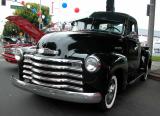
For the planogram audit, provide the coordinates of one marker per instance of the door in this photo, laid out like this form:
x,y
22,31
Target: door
x,y
133,51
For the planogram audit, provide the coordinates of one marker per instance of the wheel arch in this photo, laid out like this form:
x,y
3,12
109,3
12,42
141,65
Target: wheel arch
x,y
120,70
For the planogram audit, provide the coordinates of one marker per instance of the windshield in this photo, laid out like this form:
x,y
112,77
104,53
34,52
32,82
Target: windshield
x,y
98,25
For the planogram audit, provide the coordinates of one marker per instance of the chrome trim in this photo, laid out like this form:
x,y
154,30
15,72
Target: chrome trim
x,y
26,66
57,80
57,67
59,86
98,61
79,76
28,55
44,58
27,61
27,72
47,51
78,97
27,77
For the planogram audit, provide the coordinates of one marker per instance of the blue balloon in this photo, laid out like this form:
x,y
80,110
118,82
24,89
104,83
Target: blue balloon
x,y
34,10
64,5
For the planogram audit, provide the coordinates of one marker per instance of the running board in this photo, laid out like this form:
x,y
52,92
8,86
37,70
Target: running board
x,y
133,81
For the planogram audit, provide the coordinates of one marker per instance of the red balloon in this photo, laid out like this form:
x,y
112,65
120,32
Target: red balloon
x,y
76,10
39,13
23,3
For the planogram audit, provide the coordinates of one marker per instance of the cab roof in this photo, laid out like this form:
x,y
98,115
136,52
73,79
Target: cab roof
x,y
112,16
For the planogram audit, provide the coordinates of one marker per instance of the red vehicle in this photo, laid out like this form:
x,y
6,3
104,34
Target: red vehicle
x,y
25,25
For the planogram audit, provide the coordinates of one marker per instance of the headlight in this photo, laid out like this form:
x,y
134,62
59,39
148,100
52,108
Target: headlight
x,y
92,64
18,54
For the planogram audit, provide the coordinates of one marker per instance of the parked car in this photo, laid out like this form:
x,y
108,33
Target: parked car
x,y
9,51
102,56
11,44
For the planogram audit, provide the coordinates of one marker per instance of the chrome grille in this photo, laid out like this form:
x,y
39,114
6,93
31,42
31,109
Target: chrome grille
x,y
8,50
46,71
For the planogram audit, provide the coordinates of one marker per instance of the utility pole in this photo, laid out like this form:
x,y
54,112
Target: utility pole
x,y
3,2
151,24
110,5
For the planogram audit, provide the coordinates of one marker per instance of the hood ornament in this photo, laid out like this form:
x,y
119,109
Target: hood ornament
x,y
47,51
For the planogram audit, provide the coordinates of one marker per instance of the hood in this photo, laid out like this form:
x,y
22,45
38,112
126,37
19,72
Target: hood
x,y
26,26
79,42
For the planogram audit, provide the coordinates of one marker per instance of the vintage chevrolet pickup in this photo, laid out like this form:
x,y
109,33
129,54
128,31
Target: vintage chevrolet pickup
x,y
88,65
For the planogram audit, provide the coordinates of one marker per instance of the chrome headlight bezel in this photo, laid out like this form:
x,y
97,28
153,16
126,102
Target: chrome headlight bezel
x,y
18,54
92,64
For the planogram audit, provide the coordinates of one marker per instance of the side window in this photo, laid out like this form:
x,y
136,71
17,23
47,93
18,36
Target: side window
x,y
133,28
88,26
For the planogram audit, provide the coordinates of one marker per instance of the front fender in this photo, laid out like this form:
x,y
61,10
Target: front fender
x,y
116,64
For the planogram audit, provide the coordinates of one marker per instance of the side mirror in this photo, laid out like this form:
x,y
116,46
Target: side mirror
x,y
73,23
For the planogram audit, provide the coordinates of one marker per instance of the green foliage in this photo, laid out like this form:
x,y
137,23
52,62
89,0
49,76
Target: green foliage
x,y
156,58
32,16
10,29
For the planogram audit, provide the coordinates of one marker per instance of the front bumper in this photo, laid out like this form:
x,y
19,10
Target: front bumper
x,y
77,97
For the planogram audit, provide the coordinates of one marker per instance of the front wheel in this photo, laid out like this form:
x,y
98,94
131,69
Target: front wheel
x,y
109,96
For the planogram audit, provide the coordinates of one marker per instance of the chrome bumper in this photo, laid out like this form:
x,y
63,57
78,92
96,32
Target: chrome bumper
x,y
77,97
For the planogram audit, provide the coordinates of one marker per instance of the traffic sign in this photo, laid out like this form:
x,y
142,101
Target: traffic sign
x,y
17,7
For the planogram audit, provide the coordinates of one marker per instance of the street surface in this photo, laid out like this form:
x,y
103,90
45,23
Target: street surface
x,y
140,99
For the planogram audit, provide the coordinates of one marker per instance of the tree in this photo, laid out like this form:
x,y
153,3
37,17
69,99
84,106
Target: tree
x,y
10,29
31,14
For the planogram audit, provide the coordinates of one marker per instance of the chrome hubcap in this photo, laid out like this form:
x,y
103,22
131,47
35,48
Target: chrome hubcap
x,y
146,74
111,93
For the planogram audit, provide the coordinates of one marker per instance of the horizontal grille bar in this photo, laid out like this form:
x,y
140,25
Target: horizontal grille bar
x,y
27,77
57,67
26,66
44,58
78,76
61,80
27,72
27,61
28,56
58,86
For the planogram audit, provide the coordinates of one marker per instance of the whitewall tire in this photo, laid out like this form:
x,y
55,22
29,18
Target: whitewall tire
x,y
110,95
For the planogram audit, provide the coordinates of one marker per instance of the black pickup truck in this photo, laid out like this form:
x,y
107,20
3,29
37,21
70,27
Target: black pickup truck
x,y
90,64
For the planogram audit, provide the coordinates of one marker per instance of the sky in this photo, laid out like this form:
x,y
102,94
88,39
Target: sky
x,y
136,8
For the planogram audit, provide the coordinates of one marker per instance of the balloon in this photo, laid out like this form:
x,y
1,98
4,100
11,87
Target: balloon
x,y
64,5
34,10
76,10
39,13
43,16
23,3
28,6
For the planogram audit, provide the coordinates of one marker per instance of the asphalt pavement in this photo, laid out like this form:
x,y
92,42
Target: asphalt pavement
x,y
140,99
